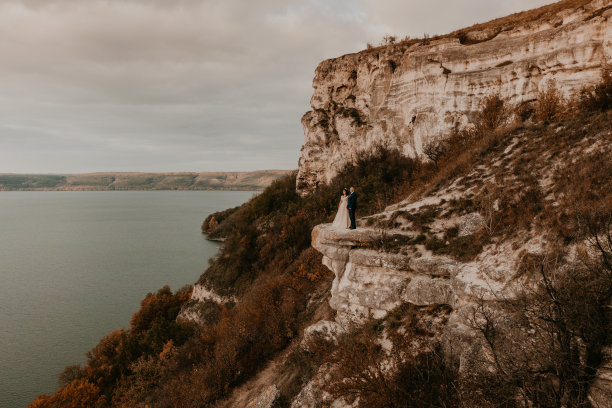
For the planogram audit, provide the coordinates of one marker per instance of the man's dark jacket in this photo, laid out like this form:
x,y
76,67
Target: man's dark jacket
x,y
351,203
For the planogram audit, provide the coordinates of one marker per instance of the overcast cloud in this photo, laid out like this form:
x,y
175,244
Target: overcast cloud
x,y
184,85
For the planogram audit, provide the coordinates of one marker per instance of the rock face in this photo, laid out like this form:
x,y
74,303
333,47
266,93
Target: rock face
x,y
202,300
202,293
370,283
405,94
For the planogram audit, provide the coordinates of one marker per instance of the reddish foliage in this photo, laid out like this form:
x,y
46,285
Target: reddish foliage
x,y
78,394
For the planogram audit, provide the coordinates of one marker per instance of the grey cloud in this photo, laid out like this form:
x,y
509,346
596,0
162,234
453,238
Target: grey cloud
x,y
130,85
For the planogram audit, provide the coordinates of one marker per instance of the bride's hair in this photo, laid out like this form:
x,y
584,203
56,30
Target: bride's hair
x,y
345,191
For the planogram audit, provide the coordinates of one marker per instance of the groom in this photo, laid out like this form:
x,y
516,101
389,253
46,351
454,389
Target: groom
x,y
351,205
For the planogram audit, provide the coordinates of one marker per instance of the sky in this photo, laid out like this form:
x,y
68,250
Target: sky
x,y
184,85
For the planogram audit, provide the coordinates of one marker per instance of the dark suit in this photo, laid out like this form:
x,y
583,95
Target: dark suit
x,y
351,204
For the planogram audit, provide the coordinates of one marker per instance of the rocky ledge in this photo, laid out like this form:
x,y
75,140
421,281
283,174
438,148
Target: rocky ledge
x,y
369,283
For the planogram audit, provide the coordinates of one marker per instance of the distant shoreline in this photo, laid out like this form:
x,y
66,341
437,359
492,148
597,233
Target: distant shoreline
x,y
131,189
141,181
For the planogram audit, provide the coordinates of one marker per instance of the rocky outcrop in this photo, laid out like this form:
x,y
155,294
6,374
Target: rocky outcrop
x,y
270,398
312,395
369,283
202,293
405,94
203,300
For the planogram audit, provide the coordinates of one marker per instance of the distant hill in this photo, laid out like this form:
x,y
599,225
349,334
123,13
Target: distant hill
x,y
252,180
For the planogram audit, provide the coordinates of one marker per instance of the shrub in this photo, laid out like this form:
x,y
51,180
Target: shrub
x,y
310,266
599,97
78,394
388,39
245,337
550,105
210,225
163,305
492,114
585,196
435,149
435,244
467,247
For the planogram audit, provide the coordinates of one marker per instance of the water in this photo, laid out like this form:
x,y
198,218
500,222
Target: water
x,y
75,266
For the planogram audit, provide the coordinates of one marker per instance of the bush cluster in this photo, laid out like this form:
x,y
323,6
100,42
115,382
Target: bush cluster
x,y
152,328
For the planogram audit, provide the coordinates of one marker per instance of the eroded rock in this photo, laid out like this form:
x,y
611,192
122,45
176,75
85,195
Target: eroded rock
x,y
406,95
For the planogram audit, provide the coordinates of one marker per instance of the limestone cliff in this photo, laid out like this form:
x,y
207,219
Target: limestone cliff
x,y
428,250
405,94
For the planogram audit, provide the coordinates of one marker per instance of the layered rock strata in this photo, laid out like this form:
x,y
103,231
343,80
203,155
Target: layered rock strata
x,y
370,283
406,94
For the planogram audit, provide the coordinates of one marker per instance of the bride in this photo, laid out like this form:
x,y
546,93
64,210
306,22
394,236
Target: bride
x,y
342,216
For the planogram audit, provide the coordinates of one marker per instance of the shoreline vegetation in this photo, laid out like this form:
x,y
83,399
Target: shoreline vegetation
x,y
111,181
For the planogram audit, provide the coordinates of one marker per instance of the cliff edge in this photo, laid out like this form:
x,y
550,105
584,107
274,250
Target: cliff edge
x,y
406,94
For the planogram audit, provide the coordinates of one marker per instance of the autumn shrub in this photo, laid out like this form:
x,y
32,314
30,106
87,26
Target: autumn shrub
x,y
225,354
148,372
211,224
598,97
494,112
163,305
112,359
403,373
466,248
69,374
465,147
310,266
79,393
585,196
550,104
304,360
507,209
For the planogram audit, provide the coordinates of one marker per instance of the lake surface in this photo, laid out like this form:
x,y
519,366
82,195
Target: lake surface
x,y
75,265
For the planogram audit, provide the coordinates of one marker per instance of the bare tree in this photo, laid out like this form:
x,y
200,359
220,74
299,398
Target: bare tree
x,y
435,149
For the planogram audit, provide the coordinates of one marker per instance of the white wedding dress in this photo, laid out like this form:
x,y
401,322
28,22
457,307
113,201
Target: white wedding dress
x,y
342,220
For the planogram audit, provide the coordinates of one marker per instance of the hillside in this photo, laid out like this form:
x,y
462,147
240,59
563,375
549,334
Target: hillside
x,y
253,180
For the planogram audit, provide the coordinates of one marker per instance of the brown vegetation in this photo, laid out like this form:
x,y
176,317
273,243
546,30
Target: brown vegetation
x,y
410,372
546,345
551,105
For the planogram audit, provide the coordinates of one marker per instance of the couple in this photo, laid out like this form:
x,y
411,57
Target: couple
x,y
345,217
